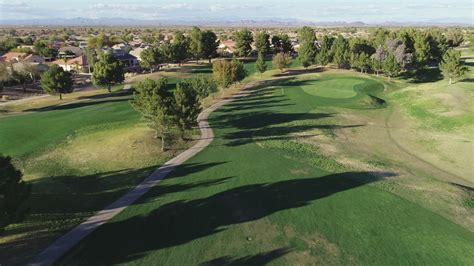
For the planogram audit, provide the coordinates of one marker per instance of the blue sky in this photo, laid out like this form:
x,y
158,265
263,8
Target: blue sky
x,y
369,11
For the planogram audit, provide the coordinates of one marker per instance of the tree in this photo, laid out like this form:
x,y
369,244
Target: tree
x,y
378,58
282,44
186,106
422,49
364,62
204,86
261,64
222,73
180,47
451,65
226,72
150,58
195,43
13,191
340,52
398,48
454,37
243,42
307,50
390,66
209,45
238,70
379,36
262,43
42,47
108,71
282,61
155,102
5,75
91,56
324,55
21,76
56,81
167,52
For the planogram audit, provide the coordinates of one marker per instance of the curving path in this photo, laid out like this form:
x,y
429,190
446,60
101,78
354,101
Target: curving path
x,y
63,244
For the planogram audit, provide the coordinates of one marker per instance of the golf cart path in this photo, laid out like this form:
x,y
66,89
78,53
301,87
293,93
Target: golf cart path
x,y
67,241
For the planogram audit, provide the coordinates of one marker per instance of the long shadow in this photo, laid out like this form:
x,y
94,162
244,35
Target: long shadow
x,y
467,80
259,259
423,75
58,203
296,72
183,221
74,105
108,95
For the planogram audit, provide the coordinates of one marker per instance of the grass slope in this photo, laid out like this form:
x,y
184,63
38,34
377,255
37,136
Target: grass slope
x,y
257,196
78,157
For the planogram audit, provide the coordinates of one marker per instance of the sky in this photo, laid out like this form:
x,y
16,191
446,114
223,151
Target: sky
x,y
369,11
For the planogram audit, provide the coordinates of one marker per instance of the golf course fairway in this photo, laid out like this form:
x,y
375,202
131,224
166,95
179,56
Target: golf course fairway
x,y
259,194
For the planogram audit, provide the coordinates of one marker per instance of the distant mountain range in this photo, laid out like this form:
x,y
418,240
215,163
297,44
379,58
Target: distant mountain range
x,y
209,23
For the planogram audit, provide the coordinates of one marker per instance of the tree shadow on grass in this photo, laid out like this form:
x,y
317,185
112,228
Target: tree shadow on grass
x,y
423,75
75,105
258,259
182,221
59,203
295,72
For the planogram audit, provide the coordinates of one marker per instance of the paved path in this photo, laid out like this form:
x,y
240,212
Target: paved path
x,y
63,244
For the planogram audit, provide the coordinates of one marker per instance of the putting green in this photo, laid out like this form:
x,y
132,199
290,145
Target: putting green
x,y
334,88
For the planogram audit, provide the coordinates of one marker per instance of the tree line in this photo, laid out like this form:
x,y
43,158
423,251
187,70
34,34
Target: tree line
x,y
390,52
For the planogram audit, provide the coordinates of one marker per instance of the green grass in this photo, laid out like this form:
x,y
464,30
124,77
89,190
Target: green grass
x,y
78,157
257,196
26,134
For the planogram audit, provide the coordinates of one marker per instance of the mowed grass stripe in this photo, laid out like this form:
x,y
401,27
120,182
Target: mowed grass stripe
x,y
239,202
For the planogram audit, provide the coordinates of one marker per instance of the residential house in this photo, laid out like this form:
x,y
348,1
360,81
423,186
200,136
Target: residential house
x,y
69,52
129,62
226,48
122,46
14,57
137,51
78,64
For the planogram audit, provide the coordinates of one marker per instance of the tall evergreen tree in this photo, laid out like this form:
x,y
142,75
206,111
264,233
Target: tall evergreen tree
x,y
324,55
186,106
422,49
238,70
451,65
260,64
340,52
262,43
307,50
196,43
391,67
156,104
243,42
222,73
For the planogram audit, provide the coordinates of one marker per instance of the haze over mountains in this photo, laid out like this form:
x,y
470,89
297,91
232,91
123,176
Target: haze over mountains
x,y
277,22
